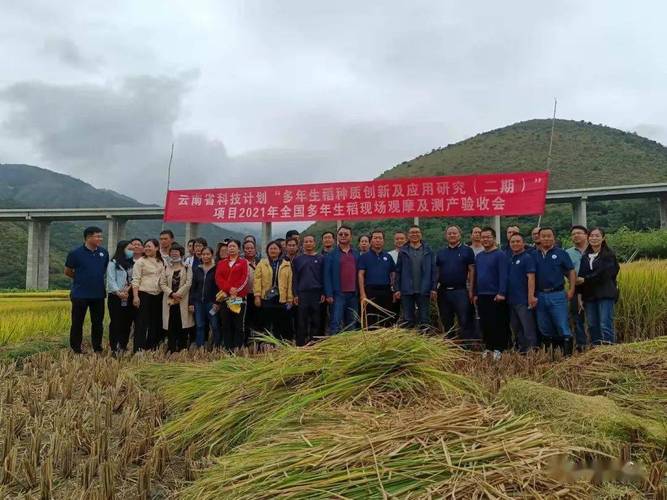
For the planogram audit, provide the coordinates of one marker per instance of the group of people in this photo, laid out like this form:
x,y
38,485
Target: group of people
x,y
305,287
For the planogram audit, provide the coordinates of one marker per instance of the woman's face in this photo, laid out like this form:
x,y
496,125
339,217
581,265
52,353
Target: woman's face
x,y
206,256
273,251
249,250
222,253
595,238
233,249
137,247
175,256
150,249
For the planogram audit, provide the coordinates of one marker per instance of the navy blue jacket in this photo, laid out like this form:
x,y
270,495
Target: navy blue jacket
x,y
307,273
403,281
332,271
203,288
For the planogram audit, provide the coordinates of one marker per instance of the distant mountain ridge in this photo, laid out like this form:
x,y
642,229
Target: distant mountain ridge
x,y
583,155
28,186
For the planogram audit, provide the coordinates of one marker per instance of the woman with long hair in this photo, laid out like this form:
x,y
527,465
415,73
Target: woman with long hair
x,y
599,291
231,277
175,283
202,299
273,291
119,279
148,297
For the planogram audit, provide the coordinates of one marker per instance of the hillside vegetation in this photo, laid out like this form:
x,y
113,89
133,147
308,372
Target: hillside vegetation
x,y
583,155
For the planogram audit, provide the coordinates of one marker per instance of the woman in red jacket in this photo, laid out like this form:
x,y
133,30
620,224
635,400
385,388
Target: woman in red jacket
x,y
231,276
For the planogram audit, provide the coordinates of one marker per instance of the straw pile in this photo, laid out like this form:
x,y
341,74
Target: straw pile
x,y
225,404
463,451
633,375
594,422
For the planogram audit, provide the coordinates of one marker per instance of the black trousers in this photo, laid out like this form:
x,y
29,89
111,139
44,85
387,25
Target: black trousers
x,y
455,304
383,297
177,336
252,314
79,308
148,332
120,322
494,322
308,316
324,319
233,327
275,319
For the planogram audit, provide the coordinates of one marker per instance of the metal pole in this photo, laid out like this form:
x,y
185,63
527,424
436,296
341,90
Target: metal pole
x,y
338,224
266,234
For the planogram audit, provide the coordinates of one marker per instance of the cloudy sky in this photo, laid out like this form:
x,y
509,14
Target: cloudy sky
x,y
265,92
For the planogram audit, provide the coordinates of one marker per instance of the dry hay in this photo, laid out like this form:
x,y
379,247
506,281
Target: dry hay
x,y
633,375
463,451
78,427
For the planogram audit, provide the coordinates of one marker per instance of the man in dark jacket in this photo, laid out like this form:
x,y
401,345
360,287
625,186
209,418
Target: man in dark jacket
x,y
416,279
308,290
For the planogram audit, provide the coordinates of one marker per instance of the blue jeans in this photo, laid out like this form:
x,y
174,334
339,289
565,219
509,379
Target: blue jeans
x,y
579,320
203,320
344,312
416,310
552,314
600,317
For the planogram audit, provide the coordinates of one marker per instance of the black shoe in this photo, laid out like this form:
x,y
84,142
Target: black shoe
x,y
568,346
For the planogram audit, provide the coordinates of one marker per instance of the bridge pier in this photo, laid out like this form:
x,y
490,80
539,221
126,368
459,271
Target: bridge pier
x,y
191,231
663,211
266,236
115,232
496,226
37,265
579,211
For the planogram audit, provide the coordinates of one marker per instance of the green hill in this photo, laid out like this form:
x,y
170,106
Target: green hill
x,y
29,186
583,155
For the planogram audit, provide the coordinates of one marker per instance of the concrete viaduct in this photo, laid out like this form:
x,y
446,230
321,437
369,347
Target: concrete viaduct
x,y
39,219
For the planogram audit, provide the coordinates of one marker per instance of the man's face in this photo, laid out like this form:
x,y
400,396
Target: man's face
x,y
510,231
95,239
488,241
547,239
309,243
165,241
344,236
516,243
400,240
191,248
579,236
292,247
415,235
453,236
535,235
327,240
476,234
377,241
137,247
198,248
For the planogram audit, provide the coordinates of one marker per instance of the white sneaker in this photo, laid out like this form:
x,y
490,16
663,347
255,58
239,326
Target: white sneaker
x,y
496,355
485,353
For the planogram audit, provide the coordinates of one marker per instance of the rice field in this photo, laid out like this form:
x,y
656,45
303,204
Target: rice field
x,y
383,414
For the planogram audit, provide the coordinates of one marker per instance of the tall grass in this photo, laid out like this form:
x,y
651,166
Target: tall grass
x,y
641,312
34,318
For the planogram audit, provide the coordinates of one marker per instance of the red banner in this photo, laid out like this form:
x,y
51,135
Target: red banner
x,y
520,193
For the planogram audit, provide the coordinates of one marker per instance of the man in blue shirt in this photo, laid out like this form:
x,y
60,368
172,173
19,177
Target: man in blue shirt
x,y
521,294
376,274
579,236
415,282
490,292
308,290
456,272
86,266
553,265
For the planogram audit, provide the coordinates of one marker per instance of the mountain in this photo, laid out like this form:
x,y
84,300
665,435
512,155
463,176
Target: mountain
x,y
583,155
29,186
